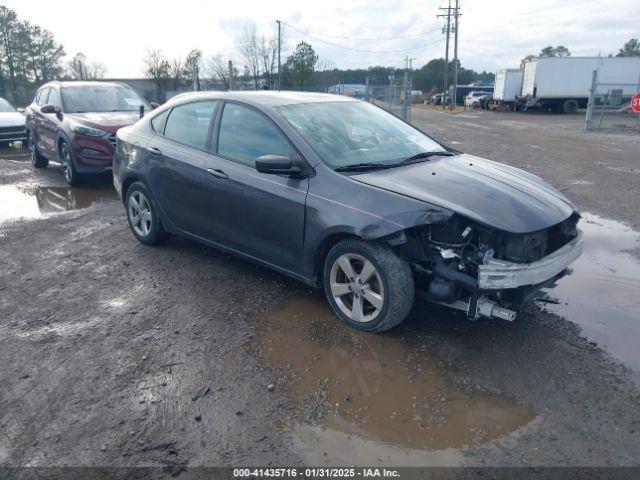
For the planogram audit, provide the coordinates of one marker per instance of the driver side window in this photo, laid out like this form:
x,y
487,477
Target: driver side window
x,y
246,134
54,98
43,96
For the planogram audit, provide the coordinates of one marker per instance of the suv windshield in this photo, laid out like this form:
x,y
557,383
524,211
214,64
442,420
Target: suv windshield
x,y
6,106
100,98
345,133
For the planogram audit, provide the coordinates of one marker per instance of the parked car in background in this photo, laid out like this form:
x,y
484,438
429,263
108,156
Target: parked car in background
x,y
484,101
12,124
473,99
75,124
342,195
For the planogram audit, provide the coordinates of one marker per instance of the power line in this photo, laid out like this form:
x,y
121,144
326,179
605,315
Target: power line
x,y
373,39
360,50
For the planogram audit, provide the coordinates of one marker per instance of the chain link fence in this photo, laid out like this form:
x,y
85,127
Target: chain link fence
x,y
609,106
395,99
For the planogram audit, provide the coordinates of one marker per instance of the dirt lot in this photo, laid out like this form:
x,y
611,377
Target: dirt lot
x,y
116,354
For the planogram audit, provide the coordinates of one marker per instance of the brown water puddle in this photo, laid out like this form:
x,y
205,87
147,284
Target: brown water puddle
x,y
35,202
603,294
385,394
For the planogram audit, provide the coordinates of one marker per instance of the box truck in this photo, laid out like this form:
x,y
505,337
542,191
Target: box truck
x,y
562,84
508,86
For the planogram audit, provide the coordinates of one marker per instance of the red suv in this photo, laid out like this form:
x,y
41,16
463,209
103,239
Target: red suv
x,y
75,124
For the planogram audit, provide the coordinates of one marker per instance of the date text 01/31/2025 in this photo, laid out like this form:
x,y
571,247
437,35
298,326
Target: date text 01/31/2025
x,y
327,472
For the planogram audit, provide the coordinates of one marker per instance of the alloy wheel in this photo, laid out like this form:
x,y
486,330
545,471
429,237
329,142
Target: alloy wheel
x,y
356,287
67,163
140,213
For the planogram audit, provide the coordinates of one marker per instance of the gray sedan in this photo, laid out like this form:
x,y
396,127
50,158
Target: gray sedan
x,y
344,196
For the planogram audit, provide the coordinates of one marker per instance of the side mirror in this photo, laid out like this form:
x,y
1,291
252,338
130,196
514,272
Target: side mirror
x,y
48,108
280,165
154,105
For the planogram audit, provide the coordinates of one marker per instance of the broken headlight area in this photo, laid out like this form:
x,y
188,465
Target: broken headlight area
x,y
485,271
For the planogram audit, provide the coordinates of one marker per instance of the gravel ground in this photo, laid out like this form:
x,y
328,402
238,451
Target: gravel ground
x,y
116,354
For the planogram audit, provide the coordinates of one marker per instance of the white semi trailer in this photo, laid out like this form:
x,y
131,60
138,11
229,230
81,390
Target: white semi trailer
x,y
562,84
507,87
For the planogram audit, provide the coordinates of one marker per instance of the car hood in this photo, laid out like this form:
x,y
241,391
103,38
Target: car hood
x,y
110,121
488,192
12,119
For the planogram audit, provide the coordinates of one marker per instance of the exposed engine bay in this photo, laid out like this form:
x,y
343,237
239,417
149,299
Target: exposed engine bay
x,y
449,260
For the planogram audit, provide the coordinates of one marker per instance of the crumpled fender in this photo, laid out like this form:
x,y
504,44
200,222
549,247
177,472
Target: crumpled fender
x,y
356,209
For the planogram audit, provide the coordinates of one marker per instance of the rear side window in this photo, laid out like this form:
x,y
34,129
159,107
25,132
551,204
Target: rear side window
x,y
157,122
246,134
189,124
43,96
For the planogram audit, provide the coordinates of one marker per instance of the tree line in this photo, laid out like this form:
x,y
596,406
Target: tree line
x,y
30,56
254,66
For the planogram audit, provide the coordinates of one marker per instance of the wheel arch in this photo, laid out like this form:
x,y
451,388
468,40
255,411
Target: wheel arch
x,y
128,181
62,138
323,248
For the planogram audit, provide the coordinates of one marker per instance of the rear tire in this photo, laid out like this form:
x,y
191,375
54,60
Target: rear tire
x,y
37,160
142,215
367,285
570,106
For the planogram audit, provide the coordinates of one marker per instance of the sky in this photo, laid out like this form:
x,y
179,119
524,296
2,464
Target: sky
x,y
493,34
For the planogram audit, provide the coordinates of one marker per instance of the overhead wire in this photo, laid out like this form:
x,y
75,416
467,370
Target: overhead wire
x,y
361,50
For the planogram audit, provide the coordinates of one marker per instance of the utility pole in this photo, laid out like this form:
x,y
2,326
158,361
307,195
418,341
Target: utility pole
x,y
279,46
195,74
405,87
446,52
455,54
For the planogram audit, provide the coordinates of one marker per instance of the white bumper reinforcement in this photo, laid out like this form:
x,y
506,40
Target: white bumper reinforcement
x,y
500,274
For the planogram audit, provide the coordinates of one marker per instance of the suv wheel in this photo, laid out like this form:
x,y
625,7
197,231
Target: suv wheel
x,y
71,175
37,160
368,286
143,216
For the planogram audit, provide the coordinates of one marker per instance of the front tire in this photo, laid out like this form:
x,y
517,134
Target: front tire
x,y
367,285
71,175
142,215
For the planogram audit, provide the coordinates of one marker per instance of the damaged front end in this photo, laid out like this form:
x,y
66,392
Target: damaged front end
x,y
484,271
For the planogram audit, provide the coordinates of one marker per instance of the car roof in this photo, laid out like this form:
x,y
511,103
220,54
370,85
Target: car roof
x,y
82,83
265,98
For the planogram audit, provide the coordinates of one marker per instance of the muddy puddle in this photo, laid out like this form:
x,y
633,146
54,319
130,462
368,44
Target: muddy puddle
x,y
386,400
603,294
28,202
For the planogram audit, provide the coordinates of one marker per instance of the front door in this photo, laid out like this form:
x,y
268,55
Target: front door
x,y
258,214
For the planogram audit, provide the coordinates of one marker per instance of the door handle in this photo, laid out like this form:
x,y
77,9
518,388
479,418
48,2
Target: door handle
x,y
217,173
155,151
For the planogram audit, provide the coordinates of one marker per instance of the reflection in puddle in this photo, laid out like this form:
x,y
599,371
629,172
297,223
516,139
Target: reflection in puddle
x,y
34,202
602,294
385,394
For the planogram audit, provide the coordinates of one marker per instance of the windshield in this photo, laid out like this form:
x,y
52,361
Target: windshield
x,y
6,106
101,98
355,132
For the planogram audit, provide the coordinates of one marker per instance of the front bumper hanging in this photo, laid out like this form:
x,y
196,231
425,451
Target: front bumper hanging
x,y
500,274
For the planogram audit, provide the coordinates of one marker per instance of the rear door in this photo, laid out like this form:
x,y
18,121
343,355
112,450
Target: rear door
x,y
258,214
176,159
38,120
50,122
